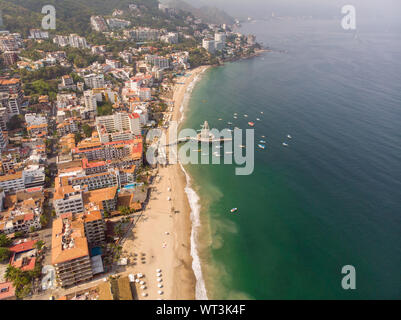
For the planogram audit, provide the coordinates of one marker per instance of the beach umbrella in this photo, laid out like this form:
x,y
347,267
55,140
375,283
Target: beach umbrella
x,y
160,285
159,275
143,287
160,292
158,270
159,280
144,294
142,282
137,280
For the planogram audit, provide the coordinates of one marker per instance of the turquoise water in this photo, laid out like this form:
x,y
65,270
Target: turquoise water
x,y
333,196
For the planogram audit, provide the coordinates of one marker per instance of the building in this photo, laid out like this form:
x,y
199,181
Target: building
x,y
7,291
170,37
98,24
94,227
159,62
209,45
34,119
67,199
10,58
115,23
13,88
125,152
20,215
38,34
70,252
72,40
68,126
37,130
24,255
142,34
94,81
118,127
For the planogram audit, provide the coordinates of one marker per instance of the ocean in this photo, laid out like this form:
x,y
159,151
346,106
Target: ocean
x,y
333,196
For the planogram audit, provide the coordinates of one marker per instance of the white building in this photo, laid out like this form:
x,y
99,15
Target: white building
x,y
209,45
94,81
159,62
119,126
98,24
171,38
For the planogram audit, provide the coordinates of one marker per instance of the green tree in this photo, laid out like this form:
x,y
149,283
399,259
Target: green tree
x,y
5,254
4,240
87,130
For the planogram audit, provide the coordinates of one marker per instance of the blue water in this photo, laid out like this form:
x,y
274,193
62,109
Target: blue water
x,y
333,197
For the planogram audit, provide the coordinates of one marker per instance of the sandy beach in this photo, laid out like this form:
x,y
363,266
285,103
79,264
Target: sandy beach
x,y
162,236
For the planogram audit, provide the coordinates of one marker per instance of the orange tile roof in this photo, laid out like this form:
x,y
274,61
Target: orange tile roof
x,y
80,248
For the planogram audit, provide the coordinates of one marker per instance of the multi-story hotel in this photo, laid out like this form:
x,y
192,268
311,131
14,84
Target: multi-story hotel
x,y
70,252
118,127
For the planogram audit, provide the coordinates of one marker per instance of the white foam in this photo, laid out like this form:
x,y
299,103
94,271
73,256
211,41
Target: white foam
x,y
193,198
187,94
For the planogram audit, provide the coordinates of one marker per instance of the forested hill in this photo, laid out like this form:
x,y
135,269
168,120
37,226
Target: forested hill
x,y
72,15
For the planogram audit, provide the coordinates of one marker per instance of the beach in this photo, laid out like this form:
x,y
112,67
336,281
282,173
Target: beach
x,y
163,234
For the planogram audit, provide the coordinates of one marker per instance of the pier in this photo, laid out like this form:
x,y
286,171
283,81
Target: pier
x,y
205,136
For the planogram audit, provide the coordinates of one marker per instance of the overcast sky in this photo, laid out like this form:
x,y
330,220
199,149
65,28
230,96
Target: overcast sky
x,y
380,9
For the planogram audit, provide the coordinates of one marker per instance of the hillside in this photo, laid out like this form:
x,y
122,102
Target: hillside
x,y
206,13
72,15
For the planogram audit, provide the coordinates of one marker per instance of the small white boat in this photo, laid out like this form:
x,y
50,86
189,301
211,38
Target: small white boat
x,y
257,119
220,119
230,123
263,137
205,154
234,210
242,146
261,112
245,115
216,154
235,117
219,147
285,144
289,137
229,152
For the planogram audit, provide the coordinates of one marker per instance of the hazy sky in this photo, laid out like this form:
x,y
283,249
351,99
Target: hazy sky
x,y
381,9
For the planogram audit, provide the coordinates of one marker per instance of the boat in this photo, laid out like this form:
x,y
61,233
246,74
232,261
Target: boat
x,y
196,150
289,137
235,117
219,147
234,210
216,154
261,146
262,141
205,154
242,146
261,112
257,119
251,123
229,152
263,136
245,115
220,119
285,144
230,123
235,113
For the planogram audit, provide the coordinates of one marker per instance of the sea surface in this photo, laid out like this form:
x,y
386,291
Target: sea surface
x,y
333,196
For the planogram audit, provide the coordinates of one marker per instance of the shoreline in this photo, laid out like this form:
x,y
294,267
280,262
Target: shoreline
x,y
166,233
181,99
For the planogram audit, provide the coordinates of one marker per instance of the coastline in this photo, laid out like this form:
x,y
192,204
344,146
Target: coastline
x,y
166,234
